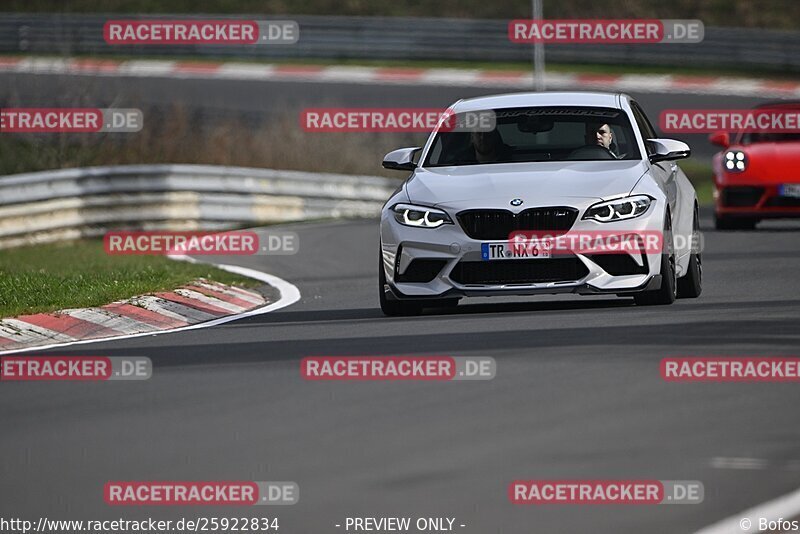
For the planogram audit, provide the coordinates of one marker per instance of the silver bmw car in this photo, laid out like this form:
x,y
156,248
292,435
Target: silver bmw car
x,y
553,164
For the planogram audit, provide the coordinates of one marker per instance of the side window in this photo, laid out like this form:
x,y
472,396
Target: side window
x,y
646,129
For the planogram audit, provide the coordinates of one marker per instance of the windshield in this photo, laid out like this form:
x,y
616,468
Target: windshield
x,y
539,134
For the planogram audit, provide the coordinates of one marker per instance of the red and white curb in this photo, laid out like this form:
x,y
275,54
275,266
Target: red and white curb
x,y
660,83
201,304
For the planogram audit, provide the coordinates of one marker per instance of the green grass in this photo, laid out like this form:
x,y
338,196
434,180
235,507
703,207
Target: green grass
x,y
79,274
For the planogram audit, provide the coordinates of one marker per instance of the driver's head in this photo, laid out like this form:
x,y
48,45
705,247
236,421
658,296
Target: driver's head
x,y
603,136
485,142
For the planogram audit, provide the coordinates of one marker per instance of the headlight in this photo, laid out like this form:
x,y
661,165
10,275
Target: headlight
x,y
420,216
619,209
735,161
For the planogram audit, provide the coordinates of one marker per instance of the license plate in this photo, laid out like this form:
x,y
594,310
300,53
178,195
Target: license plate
x,y
502,251
790,190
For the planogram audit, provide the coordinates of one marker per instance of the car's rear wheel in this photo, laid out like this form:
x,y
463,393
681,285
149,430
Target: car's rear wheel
x,y
394,307
722,222
667,293
691,285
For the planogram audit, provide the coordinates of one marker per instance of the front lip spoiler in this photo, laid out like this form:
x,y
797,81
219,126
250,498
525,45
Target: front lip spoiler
x,y
652,283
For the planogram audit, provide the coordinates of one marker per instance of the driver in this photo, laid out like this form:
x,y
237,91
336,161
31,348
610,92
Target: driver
x,y
489,147
603,136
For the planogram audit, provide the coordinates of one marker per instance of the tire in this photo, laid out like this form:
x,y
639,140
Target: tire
x,y
667,293
393,307
691,284
722,222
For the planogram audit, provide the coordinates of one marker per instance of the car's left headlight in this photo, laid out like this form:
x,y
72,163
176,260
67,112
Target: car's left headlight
x,y
420,216
735,161
618,210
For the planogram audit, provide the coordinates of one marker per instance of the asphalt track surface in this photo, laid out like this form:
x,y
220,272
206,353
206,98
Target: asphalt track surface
x,y
578,395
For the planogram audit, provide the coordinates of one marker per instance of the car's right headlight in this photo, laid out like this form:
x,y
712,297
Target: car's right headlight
x,y
420,216
619,209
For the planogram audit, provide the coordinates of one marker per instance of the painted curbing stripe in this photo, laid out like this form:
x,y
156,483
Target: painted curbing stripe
x,y
785,507
93,65
212,301
196,67
27,333
171,309
191,303
244,71
147,67
105,318
289,294
145,316
244,292
348,74
230,290
6,343
231,299
67,324
21,336
399,76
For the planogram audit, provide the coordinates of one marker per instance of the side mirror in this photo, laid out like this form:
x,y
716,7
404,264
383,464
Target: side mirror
x,y
720,139
401,159
666,149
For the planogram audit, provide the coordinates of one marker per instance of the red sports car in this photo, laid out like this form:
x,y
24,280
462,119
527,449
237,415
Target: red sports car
x,y
757,176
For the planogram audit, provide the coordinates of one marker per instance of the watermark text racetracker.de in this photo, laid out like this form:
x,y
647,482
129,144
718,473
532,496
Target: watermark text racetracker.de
x,y
74,368
196,493
425,368
629,492
70,120
233,243
545,243
201,32
395,120
730,369
606,31
736,120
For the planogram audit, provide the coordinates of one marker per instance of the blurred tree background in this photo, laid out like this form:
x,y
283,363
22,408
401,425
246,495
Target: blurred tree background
x,y
778,14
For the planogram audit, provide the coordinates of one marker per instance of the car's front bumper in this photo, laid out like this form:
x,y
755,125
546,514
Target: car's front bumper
x,y
402,246
753,195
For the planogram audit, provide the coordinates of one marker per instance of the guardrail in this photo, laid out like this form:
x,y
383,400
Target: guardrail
x,y
331,37
86,202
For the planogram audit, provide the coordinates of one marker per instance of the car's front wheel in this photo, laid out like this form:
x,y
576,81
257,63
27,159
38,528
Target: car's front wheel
x,y
668,292
691,285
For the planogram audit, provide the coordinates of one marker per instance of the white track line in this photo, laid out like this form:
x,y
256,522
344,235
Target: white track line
x,y
289,295
786,507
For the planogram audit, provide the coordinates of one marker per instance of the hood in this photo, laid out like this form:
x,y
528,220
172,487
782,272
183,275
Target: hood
x,y
537,184
772,162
